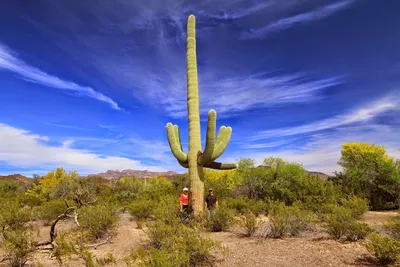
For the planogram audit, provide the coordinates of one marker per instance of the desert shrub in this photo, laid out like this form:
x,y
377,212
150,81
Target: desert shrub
x,y
141,209
357,205
109,259
341,223
180,181
97,220
314,192
393,227
245,205
385,249
18,246
173,245
223,182
106,195
249,224
10,189
128,189
166,209
356,231
157,188
72,243
13,214
65,246
287,220
49,211
221,219
90,260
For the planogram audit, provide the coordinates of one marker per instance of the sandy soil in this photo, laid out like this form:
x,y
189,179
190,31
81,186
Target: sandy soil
x,y
313,249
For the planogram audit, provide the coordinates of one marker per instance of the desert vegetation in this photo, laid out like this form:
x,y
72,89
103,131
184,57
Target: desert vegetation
x,y
276,200
265,204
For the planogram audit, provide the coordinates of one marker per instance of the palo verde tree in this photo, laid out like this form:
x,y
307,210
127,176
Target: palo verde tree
x,y
195,159
371,173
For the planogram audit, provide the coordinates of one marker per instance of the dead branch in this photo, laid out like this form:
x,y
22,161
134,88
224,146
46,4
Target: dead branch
x,y
4,259
42,243
75,217
99,244
53,233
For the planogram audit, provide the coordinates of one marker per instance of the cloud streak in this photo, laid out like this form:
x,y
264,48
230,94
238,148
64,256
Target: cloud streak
x,y
10,62
231,95
21,148
360,115
288,22
160,80
321,151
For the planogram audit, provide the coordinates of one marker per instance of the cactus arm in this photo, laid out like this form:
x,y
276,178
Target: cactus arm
x,y
178,136
174,144
183,164
223,139
210,140
221,166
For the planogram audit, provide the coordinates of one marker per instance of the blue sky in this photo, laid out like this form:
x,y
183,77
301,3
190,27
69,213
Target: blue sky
x,y
90,85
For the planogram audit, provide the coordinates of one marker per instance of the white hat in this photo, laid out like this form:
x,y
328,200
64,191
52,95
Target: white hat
x,y
185,189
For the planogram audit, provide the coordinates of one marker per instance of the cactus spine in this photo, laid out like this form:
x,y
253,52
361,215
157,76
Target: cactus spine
x,y
195,159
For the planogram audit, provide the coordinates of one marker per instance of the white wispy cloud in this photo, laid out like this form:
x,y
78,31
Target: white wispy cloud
x,y
227,95
160,80
288,22
9,61
321,151
273,144
358,115
63,125
20,148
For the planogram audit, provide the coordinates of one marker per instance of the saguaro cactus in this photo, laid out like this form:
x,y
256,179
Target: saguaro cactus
x,y
195,159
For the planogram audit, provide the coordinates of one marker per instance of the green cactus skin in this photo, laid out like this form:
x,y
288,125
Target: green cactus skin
x,y
195,159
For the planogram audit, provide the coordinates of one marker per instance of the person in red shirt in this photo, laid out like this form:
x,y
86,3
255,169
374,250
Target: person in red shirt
x,y
184,201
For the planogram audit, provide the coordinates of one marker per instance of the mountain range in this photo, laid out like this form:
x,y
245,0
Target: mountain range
x,y
116,174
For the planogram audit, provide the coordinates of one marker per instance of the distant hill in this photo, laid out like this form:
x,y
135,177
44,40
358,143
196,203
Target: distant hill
x,y
116,174
16,177
319,174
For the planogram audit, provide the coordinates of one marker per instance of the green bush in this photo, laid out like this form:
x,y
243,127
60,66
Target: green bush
x,y
245,205
97,220
385,249
72,243
173,245
341,223
357,231
166,209
358,206
13,214
9,189
141,209
393,227
287,220
128,189
49,211
221,219
249,224
337,221
18,246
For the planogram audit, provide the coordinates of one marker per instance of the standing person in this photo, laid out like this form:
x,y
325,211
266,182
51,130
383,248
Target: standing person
x,y
184,202
212,203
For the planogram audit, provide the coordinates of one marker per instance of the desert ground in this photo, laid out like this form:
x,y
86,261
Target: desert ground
x,y
312,249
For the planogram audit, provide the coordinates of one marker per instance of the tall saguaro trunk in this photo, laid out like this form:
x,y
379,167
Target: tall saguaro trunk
x,y
195,169
195,159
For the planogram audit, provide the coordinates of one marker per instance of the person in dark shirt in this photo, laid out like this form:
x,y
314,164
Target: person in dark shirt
x,y
212,203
